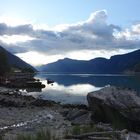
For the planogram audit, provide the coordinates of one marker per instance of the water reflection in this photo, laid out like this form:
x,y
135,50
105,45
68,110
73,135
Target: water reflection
x,y
74,88
129,81
66,94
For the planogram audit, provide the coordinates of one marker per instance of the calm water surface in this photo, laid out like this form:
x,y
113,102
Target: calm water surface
x,y
73,88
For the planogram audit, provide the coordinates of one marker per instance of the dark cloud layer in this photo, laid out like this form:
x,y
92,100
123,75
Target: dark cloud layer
x,y
92,34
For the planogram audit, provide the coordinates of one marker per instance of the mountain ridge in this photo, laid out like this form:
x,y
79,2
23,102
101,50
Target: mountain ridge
x,y
116,64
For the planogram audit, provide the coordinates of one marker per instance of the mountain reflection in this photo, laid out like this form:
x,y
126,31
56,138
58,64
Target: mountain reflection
x,y
128,81
74,88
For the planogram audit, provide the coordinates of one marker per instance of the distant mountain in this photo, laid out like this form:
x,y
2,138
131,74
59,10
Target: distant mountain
x,y
116,64
9,61
135,68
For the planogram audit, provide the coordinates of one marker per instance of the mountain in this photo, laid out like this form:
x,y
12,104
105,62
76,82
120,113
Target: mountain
x,y
116,64
9,61
135,68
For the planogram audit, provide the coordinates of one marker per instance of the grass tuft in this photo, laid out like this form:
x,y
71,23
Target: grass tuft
x,y
78,129
43,134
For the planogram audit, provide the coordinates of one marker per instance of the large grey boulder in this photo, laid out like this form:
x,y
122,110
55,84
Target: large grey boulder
x,y
117,105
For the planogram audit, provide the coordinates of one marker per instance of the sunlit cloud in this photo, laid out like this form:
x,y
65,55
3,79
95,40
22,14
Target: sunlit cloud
x,y
91,54
37,59
84,40
10,21
15,38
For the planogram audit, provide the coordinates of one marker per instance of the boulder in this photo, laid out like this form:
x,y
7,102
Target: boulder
x,y
77,116
75,113
117,105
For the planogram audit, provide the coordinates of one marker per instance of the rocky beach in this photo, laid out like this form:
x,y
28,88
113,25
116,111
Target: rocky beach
x,y
23,114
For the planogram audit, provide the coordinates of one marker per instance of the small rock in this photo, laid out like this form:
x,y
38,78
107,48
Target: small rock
x,y
49,116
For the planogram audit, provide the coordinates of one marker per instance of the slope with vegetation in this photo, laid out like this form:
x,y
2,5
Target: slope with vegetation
x,y
10,62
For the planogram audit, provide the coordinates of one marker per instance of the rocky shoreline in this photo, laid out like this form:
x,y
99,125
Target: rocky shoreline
x,y
22,114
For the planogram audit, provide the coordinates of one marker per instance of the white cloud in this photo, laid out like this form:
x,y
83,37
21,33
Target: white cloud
x,y
34,58
132,33
13,21
136,29
91,54
15,38
95,36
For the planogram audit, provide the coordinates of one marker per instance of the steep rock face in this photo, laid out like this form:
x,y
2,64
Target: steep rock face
x,y
117,105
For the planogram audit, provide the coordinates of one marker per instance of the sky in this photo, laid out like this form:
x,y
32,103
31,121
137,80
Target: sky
x,y
43,31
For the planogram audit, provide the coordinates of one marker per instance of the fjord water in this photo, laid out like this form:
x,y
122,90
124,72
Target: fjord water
x,y
73,88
